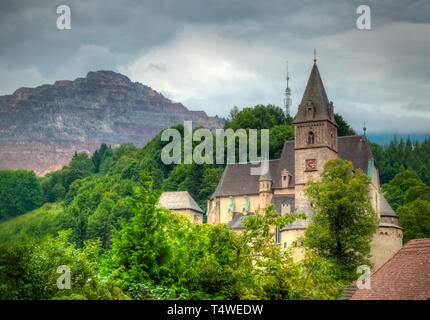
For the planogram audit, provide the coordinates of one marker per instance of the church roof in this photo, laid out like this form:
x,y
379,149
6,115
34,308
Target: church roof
x,y
406,276
237,220
285,162
386,210
178,200
357,150
237,180
315,93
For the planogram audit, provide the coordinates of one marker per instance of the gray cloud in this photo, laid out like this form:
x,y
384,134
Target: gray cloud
x,y
215,54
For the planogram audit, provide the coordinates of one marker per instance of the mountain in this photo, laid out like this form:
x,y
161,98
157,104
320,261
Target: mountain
x,y
40,128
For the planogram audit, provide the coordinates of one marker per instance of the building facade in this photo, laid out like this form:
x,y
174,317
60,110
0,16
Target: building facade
x,y
182,203
240,194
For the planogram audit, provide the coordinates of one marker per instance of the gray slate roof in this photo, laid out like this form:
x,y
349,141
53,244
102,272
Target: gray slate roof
x,y
237,180
386,210
178,200
349,292
279,199
285,162
237,220
314,92
355,149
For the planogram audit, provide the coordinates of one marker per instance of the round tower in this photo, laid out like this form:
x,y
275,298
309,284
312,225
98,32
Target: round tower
x,y
265,190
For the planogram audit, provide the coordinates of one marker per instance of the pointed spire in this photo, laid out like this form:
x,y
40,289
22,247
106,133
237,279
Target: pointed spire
x,y
316,97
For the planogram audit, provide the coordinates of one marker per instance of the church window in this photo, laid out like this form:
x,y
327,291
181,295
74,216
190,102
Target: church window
x,y
311,137
278,235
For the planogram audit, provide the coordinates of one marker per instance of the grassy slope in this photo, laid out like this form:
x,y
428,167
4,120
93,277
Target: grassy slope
x,y
31,225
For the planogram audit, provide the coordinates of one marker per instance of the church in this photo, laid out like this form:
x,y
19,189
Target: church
x,y
240,194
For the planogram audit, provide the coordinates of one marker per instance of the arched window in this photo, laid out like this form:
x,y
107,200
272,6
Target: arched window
x,y
311,137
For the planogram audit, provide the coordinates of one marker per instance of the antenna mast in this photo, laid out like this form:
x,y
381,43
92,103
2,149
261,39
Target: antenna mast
x,y
287,99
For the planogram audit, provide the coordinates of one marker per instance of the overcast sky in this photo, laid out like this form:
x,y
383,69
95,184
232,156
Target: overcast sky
x,y
212,55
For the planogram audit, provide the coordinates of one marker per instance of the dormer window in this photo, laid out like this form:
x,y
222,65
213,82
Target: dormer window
x,y
310,110
285,178
311,137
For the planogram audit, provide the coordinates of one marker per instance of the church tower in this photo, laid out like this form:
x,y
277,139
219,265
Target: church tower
x,y
315,132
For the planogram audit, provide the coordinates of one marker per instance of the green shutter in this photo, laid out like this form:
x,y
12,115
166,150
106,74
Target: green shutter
x,y
246,205
231,208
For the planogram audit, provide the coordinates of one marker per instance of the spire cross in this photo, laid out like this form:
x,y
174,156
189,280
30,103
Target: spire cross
x,y
315,55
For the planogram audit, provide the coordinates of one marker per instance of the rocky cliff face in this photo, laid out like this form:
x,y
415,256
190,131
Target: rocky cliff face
x,y
40,128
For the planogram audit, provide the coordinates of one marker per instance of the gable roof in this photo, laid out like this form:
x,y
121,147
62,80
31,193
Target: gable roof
x,y
177,200
357,150
406,276
237,179
285,162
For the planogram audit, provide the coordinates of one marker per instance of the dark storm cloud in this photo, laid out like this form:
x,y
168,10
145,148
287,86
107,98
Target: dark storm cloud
x,y
213,54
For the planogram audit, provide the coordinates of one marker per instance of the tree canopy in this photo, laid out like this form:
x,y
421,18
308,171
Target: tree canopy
x,y
344,221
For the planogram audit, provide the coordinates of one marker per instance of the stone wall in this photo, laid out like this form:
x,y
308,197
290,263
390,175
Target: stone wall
x,y
386,242
288,237
223,215
193,216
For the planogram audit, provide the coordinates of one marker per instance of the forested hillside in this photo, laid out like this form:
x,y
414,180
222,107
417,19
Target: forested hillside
x,y
108,200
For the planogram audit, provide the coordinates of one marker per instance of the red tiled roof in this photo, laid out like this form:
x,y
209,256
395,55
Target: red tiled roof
x,y
406,276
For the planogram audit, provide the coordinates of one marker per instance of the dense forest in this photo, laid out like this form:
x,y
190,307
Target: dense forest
x,y
98,206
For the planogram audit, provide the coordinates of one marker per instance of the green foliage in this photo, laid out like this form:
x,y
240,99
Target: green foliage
x,y
277,137
398,155
344,221
414,217
258,117
410,198
395,190
98,156
161,255
417,192
20,191
58,192
82,162
343,128
275,275
150,252
142,245
33,225
29,271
